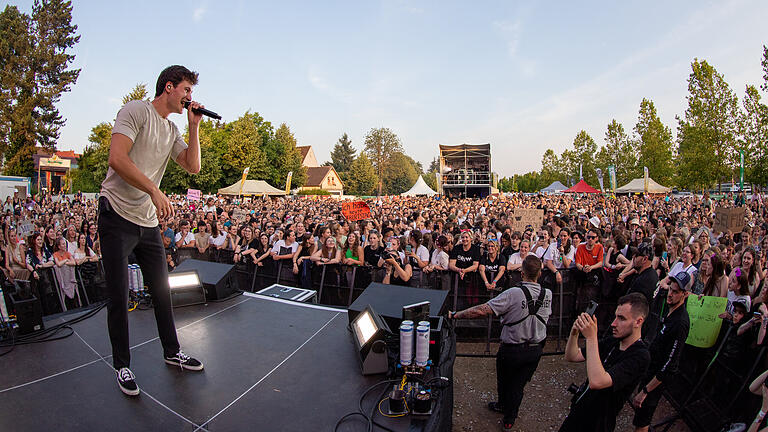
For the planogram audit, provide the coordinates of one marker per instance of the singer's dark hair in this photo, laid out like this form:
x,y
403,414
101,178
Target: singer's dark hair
x,y
175,74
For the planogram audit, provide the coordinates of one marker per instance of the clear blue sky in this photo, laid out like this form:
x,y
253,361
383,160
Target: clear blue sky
x,y
522,75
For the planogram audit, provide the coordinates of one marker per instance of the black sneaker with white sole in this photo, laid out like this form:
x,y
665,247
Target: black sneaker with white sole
x,y
127,382
184,361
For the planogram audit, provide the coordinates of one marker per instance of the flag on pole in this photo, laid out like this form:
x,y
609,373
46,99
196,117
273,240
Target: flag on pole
x,y
741,174
288,183
581,177
612,177
242,182
645,179
600,178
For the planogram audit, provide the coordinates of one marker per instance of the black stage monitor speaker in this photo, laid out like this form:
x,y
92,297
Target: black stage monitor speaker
x,y
388,301
29,314
217,279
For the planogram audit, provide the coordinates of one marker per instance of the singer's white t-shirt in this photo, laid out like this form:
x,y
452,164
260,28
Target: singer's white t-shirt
x,y
155,140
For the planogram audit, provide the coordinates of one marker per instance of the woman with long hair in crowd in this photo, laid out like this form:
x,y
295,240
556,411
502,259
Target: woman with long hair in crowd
x,y
439,260
49,240
696,252
261,250
301,261
328,253
82,252
65,271
92,235
218,236
245,247
37,256
15,257
711,279
399,270
352,251
232,240
750,265
738,290
492,267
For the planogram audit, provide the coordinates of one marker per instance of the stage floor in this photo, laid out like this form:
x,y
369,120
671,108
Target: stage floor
x,y
270,365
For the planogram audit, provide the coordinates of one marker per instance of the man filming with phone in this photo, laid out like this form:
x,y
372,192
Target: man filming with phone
x,y
614,365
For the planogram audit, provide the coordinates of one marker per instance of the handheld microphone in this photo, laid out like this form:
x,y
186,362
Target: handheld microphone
x,y
203,111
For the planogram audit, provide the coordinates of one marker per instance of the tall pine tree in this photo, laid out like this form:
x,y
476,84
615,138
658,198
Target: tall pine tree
x,y
655,144
34,72
343,154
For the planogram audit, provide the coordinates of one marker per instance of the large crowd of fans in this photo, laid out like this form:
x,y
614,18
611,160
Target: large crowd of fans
x,y
465,245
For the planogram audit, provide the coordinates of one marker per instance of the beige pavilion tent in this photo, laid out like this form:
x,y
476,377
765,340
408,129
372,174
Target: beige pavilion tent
x,y
637,186
252,187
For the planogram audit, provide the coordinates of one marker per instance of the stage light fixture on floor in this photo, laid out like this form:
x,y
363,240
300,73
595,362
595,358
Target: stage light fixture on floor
x,y
369,332
186,288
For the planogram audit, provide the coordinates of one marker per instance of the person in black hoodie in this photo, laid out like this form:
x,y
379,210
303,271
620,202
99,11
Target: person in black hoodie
x,y
665,349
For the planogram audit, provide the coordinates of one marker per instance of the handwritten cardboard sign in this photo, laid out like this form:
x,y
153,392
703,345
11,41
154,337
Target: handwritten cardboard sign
x,y
239,215
194,195
356,210
729,219
522,218
705,323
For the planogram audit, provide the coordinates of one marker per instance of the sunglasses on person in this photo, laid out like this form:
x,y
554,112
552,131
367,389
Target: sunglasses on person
x,y
591,236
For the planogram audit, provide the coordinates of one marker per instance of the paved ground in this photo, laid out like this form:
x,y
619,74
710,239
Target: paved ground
x,y
545,403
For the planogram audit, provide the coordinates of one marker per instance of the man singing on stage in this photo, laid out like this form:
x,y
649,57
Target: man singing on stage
x,y
143,139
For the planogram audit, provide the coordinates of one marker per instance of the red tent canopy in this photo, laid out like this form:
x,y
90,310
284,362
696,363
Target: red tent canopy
x,y
581,187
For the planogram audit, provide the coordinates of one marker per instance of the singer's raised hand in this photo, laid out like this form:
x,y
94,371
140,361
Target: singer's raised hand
x,y
193,117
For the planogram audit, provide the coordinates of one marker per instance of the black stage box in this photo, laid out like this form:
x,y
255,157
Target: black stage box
x,y
217,279
388,301
29,314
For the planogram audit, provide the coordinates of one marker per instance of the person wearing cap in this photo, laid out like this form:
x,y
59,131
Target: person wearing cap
x,y
665,349
646,280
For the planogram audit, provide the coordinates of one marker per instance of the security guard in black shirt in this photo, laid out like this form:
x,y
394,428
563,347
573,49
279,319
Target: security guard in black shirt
x,y
523,311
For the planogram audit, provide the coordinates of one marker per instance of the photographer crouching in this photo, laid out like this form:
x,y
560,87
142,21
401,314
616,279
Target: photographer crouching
x,y
615,365
523,311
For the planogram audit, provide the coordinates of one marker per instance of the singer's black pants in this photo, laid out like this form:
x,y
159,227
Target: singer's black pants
x,y
515,365
119,238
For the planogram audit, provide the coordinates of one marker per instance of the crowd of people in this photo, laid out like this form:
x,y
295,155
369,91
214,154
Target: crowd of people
x,y
608,245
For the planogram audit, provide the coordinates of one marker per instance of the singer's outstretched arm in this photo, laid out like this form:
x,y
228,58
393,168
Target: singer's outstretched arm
x,y
189,159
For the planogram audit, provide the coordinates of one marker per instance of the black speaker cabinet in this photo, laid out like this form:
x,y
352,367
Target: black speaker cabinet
x,y
29,314
217,278
388,301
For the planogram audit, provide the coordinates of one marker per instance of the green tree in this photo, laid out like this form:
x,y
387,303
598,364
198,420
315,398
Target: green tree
x,y
764,63
401,173
655,144
343,155
362,176
380,146
283,157
553,168
34,72
242,150
137,93
583,153
528,182
754,137
711,119
99,140
619,151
